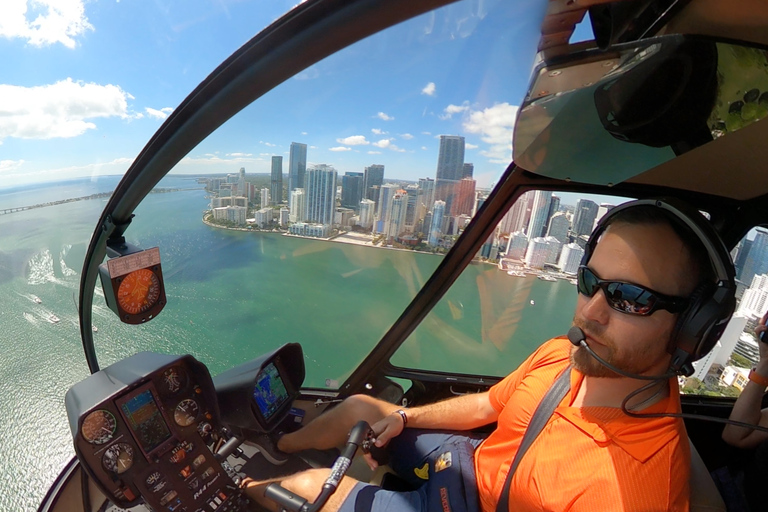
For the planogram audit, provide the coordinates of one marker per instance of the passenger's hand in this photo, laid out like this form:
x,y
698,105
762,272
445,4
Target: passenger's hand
x,y
385,429
763,347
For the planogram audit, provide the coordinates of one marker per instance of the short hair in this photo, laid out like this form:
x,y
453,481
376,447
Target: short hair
x,y
650,215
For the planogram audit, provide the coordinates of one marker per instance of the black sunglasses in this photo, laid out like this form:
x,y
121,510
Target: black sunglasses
x,y
628,298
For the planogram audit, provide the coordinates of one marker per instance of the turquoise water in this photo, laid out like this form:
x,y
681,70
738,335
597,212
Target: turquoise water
x,y
231,296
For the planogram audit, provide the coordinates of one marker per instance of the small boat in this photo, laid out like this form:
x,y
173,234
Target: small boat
x,y
532,303
546,277
36,299
94,328
516,273
53,319
572,281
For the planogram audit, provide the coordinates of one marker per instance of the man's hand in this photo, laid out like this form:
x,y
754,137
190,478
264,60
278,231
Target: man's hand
x,y
385,429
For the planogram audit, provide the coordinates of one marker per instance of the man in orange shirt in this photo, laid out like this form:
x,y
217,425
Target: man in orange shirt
x,y
653,279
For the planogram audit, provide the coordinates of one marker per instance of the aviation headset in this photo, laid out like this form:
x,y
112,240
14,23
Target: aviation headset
x,y
711,304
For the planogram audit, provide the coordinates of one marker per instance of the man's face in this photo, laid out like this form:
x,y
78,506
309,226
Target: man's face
x,y
646,255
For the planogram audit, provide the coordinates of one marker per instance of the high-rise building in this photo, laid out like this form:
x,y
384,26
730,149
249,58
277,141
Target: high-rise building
x,y
755,299
276,182
756,262
468,171
297,166
427,186
517,217
559,226
464,198
539,211
396,218
742,250
450,168
570,258
384,207
298,206
415,210
373,177
517,245
352,190
584,217
321,194
367,210
265,200
241,182
435,230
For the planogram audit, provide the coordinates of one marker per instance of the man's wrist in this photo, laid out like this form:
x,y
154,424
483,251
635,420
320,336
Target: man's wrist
x,y
403,416
756,377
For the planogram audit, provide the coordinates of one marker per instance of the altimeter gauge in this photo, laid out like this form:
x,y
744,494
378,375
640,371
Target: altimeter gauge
x,y
98,427
133,285
118,458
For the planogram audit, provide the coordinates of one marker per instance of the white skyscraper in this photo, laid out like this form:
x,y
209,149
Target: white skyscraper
x,y
298,205
386,193
570,258
539,212
396,218
367,208
538,252
264,197
435,230
755,300
320,187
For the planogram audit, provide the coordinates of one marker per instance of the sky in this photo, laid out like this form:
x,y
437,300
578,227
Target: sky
x,y
85,83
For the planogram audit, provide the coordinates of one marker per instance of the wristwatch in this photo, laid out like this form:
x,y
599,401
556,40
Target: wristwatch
x,y
758,379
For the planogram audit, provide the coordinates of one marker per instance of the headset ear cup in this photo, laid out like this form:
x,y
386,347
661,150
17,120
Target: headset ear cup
x,y
689,329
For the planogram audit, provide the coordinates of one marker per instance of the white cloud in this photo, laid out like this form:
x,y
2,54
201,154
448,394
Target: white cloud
x,y
426,133
269,144
429,89
10,165
378,131
312,147
159,114
383,143
303,133
384,117
374,152
424,148
406,136
61,110
354,140
495,125
340,148
467,145
242,155
43,22
453,109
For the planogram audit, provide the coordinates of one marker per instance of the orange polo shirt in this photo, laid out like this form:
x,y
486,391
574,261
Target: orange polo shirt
x,y
584,459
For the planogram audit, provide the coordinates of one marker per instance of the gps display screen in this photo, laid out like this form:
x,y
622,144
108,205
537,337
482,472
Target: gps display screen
x,y
269,392
146,420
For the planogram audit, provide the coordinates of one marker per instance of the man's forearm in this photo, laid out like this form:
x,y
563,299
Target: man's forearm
x,y
460,413
747,409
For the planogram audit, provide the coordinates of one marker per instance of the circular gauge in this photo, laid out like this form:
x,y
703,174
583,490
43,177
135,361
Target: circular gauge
x,y
98,427
138,291
153,478
118,458
186,412
174,379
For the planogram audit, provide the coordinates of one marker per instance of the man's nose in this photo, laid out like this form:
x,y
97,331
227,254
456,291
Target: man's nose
x,y
596,308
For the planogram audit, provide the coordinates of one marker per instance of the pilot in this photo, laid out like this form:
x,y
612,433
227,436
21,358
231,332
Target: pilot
x,y
590,455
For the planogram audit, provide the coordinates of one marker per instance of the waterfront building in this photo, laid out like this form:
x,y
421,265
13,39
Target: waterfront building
x,y
276,180
464,197
321,194
756,261
516,219
298,205
427,187
537,253
343,217
570,258
516,246
601,211
559,226
755,300
214,184
225,190
297,166
367,210
450,168
234,214
539,211
263,217
372,177
554,249
386,193
311,230
265,201
352,190
584,217
219,202
396,218
239,201
415,209
435,229
284,216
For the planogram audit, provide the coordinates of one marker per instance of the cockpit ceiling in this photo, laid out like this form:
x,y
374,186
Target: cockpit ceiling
x,y
733,166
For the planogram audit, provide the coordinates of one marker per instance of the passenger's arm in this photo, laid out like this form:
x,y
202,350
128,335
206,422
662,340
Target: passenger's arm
x,y
459,413
747,406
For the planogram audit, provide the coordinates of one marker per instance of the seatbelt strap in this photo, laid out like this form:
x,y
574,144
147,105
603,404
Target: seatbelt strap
x,y
543,412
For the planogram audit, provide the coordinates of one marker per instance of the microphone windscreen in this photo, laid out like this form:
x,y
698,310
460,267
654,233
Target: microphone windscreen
x,y
576,335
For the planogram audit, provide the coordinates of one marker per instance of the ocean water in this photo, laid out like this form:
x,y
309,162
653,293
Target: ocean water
x,y
231,296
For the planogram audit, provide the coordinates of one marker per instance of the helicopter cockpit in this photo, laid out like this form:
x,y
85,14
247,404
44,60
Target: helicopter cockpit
x,y
234,305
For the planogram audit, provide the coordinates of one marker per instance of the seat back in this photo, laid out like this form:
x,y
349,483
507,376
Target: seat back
x,y
704,494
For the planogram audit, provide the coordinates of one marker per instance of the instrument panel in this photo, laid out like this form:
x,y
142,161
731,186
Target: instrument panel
x,y
144,428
